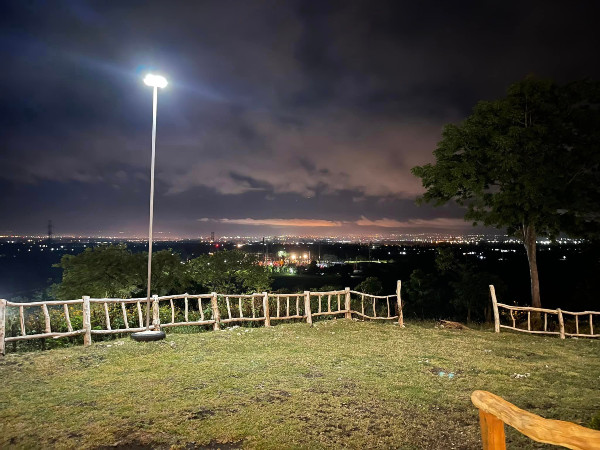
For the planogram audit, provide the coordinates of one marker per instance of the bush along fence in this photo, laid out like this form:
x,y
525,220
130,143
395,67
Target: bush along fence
x,y
554,320
101,316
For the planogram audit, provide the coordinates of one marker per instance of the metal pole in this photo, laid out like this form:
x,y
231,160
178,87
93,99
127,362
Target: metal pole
x,y
154,102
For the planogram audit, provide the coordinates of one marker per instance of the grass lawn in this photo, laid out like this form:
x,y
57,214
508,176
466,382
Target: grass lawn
x,y
338,384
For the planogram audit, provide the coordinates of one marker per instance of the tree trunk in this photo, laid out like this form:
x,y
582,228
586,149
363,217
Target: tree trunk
x,y
529,239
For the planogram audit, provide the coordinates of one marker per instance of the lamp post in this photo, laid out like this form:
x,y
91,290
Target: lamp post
x,y
155,81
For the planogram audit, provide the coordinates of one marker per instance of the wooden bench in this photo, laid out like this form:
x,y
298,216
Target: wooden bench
x,y
494,412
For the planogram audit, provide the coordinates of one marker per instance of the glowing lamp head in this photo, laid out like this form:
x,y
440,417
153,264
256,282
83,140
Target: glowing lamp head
x,y
155,81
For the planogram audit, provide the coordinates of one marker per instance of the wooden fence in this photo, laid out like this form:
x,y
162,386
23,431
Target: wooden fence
x,y
494,412
209,309
559,313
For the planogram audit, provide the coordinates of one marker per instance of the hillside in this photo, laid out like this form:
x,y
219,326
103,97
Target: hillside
x,y
339,384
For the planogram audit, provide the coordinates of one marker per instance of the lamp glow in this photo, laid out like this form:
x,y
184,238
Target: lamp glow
x,y
155,81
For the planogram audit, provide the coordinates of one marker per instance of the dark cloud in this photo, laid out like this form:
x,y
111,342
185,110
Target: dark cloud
x,y
303,110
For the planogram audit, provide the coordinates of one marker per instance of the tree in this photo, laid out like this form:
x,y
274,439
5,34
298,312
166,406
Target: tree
x,y
329,287
370,285
107,271
312,268
468,293
424,296
169,274
114,271
528,162
230,272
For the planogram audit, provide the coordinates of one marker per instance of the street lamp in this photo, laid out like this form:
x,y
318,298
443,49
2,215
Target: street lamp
x,y
155,81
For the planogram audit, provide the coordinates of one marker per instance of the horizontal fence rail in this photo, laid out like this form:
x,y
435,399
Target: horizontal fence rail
x,y
553,319
120,315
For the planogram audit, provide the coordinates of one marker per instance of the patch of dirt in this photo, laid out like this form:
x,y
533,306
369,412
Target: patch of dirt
x,y
452,429
449,325
366,410
204,413
8,363
367,417
349,387
273,397
20,362
146,443
213,445
196,388
540,405
317,390
91,360
132,444
201,414
346,389
313,375
82,404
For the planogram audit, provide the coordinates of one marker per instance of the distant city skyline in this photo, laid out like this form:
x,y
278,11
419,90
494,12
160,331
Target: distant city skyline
x,y
392,239
293,227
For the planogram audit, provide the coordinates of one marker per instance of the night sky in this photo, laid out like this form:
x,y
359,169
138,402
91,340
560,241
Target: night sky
x,y
280,117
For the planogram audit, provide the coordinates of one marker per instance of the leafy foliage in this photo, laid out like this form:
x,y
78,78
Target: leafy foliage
x,y
231,272
114,271
370,285
108,271
456,290
169,273
469,287
424,295
330,287
529,158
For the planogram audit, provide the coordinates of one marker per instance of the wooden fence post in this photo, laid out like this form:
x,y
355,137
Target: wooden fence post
x,y
399,299
155,313
347,306
47,328
266,309
87,322
2,325
561,323
495,308
106,316
215,312
307,310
